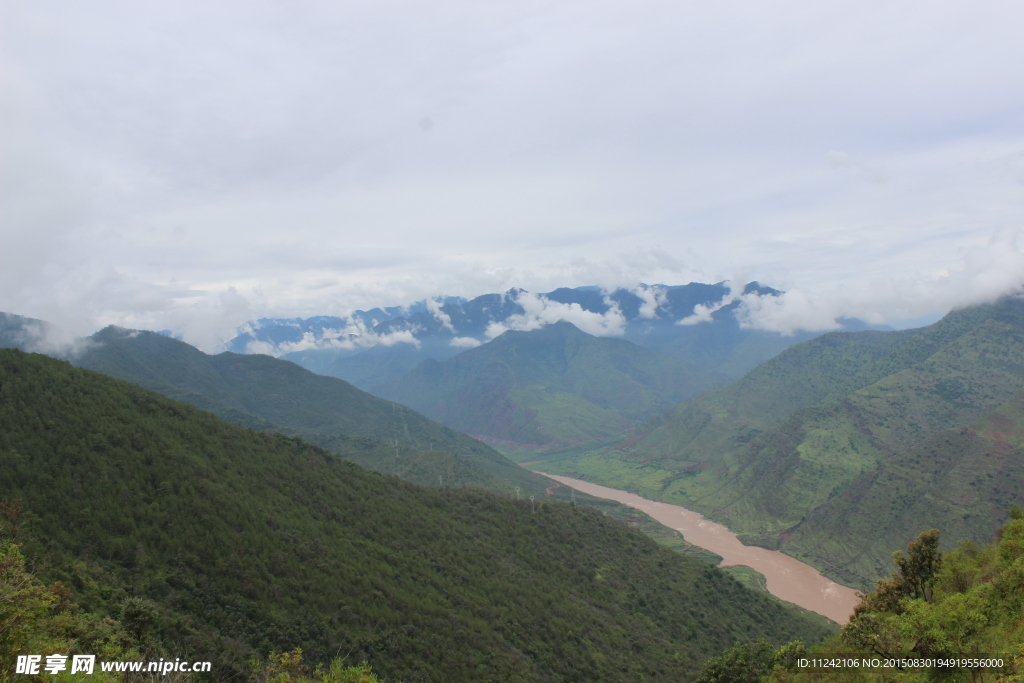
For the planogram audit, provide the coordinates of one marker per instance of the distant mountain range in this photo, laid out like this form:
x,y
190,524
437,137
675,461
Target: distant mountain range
x,y
696,323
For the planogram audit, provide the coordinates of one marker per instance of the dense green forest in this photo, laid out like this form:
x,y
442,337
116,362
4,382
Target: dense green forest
x,y
198,538
266,393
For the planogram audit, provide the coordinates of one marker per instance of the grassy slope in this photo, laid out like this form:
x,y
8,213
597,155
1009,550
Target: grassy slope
x,y
243,540
266,393
960,480
764,453
556,385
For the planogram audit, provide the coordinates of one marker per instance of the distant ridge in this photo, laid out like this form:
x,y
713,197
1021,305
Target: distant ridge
x,y
372,348
550,387
264,393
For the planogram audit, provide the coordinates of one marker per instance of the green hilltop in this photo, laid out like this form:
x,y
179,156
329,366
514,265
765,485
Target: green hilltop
x,y
805,450
550,387
211,541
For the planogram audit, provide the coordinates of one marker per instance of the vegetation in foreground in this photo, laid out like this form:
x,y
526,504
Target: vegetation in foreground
x,y
36,619
963,604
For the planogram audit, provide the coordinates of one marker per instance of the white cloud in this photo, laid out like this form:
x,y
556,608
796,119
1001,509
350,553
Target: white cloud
x,y
793,311
41,337
210,321
703,313
539,311
355,335
435,310
984,273
465,342
653,297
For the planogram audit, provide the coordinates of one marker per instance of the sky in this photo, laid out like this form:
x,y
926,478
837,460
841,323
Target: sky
x,y
191,166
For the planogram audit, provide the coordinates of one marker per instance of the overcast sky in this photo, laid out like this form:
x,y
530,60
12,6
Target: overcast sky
x,y
193,165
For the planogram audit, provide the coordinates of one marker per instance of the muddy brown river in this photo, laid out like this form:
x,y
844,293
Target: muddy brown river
x,y
788,578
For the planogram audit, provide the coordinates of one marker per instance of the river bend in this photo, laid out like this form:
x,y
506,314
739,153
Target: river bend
x,y
788,578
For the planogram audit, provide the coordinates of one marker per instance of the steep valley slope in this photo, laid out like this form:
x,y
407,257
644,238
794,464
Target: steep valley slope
x,y
774,454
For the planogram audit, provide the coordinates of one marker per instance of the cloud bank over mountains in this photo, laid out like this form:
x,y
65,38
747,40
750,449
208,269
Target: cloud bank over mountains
x,y
984,274
195,166
352,336
479,320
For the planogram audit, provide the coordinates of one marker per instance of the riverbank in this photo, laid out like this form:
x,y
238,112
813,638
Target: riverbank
x,y
787,578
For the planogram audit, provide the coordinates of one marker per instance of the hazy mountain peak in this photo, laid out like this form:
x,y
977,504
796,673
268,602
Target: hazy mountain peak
x,y
370,350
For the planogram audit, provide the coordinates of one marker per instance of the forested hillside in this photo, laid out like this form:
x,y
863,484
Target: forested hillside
x,y
804,453
724,418
266,393
549,387
237,542
962,480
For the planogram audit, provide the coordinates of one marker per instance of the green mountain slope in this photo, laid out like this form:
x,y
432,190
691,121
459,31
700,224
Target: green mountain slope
x,y
240,541
17,331
726,346
974,363
725,418
763,454
552,386
266,393
961,480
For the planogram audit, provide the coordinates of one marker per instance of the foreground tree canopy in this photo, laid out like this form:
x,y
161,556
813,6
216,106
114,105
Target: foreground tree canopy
x,y
964,604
